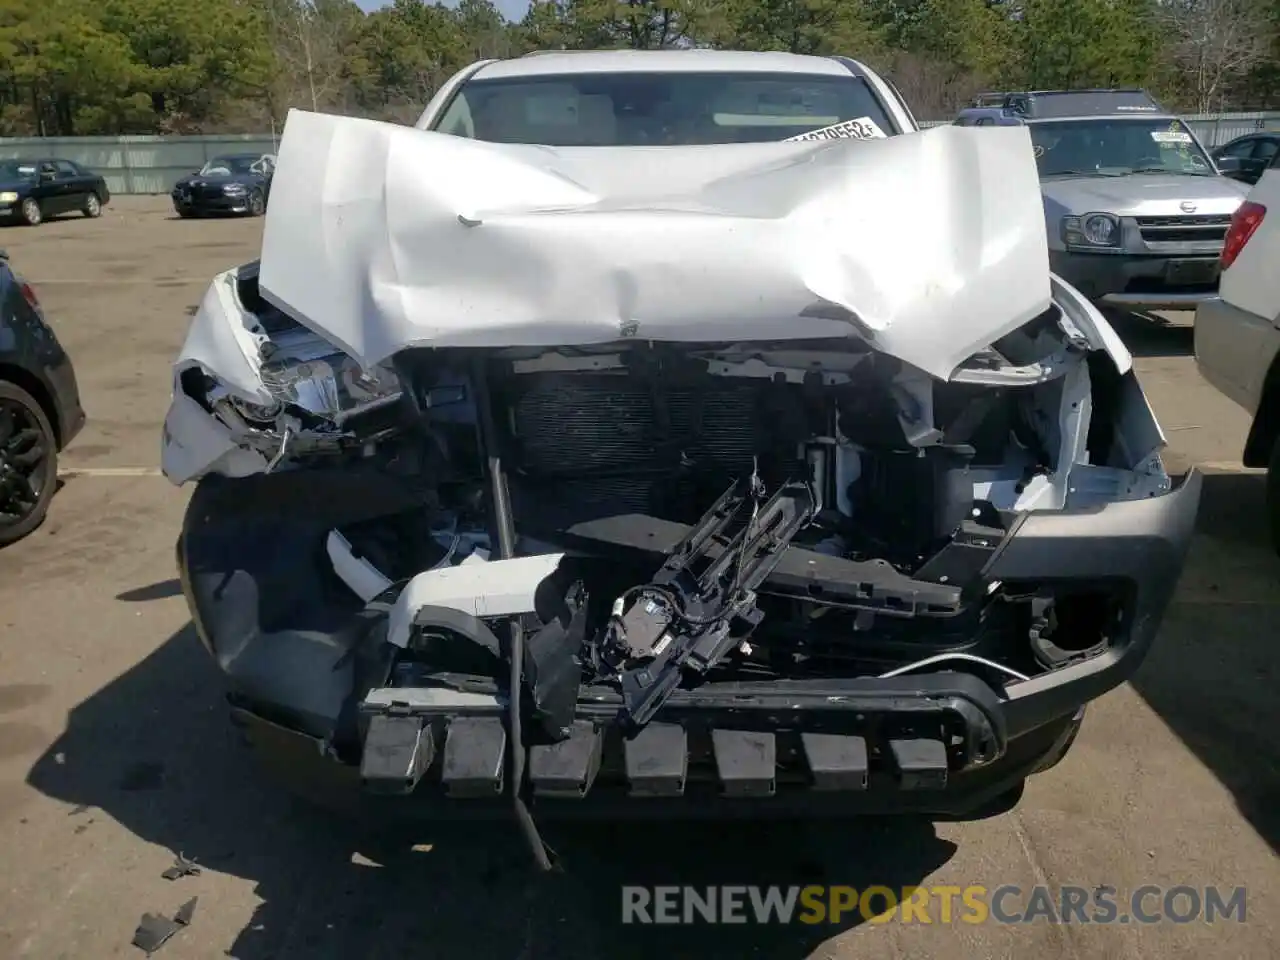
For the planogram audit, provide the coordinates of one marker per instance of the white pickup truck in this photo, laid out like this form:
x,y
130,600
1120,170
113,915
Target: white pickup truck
x,y
677,432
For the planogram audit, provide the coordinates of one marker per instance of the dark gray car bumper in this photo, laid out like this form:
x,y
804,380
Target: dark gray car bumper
x,y
285,642
1138,281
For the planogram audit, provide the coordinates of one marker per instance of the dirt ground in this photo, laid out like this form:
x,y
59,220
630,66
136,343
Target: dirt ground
x,y
115,753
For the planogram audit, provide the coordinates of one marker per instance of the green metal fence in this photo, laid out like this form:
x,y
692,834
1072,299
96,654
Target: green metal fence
x,y
136,164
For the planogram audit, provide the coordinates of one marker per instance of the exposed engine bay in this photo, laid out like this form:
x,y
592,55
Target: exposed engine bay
x,y
763,511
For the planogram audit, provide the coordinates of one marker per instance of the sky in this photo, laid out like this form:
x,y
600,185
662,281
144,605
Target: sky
x,y
511,9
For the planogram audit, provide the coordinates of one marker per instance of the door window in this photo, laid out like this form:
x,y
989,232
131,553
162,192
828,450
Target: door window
x,y
1241,149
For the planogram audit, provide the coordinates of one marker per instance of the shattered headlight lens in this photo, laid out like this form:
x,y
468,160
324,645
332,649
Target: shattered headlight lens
x,y
1091,230
335,386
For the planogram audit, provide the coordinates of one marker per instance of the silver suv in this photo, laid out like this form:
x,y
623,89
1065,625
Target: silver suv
x,y
1136,209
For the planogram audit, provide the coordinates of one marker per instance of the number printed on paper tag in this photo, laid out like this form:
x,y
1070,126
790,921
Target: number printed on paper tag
x,y
863,128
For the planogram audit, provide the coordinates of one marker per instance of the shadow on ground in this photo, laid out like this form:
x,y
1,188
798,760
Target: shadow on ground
x,y
1214,673
154,750
1150,335
152,591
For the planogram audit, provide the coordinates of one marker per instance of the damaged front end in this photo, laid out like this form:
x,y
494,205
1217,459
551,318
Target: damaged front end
x,y
782,571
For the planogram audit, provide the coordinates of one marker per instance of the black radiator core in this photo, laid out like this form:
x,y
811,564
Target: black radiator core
x,y
592,445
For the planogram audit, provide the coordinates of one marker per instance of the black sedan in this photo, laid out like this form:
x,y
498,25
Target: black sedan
x,y
32,191
1247,156
40,409
235,183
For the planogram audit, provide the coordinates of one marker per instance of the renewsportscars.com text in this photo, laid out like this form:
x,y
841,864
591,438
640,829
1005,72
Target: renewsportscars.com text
x,y
1006,904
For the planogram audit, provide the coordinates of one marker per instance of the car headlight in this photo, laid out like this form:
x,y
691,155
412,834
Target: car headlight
x,y
8,196
1091,230
233,189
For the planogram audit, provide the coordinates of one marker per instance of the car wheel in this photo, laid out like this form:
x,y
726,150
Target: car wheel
x,y
1273,495
92,206
257,205
28,463
31,213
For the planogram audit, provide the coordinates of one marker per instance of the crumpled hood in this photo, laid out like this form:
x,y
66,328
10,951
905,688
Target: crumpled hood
x,y
1146,194
381,237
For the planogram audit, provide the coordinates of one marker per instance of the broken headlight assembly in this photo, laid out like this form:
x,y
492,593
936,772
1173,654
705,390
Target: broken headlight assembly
x,y
316,400
332,386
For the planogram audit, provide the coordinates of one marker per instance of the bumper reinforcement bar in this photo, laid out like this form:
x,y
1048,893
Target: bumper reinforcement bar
x,y
831,734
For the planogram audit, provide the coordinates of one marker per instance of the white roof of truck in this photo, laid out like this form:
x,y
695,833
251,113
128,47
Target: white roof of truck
x,y
659,61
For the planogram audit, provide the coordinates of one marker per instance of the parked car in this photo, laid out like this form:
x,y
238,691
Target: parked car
x,y
233,183
791,479
1244,158
1135,209
32,191
1238,336
40,411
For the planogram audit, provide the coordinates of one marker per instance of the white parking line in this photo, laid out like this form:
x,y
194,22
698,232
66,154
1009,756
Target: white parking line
x,y
1227,466
1215,466
109,472
114,281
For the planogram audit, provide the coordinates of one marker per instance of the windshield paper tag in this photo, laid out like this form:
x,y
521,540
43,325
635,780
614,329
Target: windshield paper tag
x,y
1170,136
863,128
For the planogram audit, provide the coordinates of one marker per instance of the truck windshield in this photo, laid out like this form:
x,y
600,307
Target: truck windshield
x,y
1117,147
633,109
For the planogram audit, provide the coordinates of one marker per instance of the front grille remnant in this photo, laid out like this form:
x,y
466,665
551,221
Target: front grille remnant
x,y
1184,229
599,445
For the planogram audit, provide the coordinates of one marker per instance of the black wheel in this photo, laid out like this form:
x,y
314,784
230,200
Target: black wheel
x,y
31,213
92,206
1273,495
28,463
257,204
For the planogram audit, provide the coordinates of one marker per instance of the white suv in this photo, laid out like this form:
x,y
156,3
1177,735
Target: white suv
x,y
1238,335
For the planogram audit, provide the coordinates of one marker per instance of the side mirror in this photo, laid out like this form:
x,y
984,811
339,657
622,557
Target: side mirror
x,y
1230,166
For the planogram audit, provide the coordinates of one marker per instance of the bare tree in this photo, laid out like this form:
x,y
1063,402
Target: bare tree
x,y
935,89
307,38
1213,42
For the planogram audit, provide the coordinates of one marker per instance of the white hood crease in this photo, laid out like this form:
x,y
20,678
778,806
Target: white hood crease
x,y
381,237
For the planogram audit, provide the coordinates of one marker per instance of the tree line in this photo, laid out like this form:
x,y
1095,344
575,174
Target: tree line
x,y
83,67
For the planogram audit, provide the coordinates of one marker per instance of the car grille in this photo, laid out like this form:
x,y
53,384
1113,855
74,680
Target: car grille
x,y
1184,229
